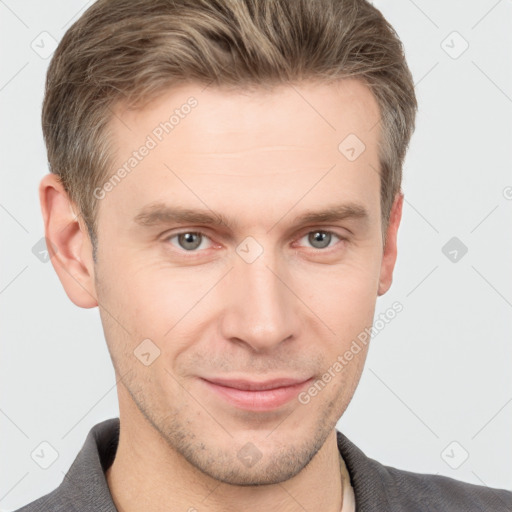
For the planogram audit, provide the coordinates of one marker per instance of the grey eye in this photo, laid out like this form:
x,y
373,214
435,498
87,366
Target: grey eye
x,y
189,241
320,239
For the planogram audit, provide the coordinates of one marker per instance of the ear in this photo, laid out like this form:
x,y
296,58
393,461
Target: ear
x,y
68,243
390,249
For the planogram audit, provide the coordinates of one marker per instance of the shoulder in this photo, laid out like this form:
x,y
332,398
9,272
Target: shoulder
x,y
84,487
416,491
379,487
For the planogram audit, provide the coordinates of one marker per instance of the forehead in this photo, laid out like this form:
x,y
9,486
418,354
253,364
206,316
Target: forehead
x,y
249,146
304,117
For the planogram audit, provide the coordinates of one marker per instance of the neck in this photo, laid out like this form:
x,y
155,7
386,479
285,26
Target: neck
x,y
147,474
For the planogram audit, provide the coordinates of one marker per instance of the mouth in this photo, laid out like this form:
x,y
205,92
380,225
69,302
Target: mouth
x,y
256,395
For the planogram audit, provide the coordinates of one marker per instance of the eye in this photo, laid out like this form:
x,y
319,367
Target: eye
x,y
320,239
188,240
193,241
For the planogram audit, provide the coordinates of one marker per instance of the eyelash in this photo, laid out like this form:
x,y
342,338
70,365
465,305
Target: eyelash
x,y
326,250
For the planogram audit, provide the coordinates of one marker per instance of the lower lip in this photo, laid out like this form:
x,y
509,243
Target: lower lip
x,y
264,400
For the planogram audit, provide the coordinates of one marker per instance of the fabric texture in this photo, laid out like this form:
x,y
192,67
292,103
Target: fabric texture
x,y
377,488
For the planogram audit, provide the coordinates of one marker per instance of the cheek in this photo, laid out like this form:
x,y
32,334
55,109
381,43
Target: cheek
x,y
342,295
159,302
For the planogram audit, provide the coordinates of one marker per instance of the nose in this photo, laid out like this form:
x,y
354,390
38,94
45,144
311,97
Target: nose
x,y
261,309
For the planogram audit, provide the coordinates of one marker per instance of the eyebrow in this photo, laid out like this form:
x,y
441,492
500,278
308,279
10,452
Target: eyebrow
x,y
159,213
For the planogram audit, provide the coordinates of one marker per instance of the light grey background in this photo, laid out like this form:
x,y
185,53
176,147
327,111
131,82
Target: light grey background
x,y
439,373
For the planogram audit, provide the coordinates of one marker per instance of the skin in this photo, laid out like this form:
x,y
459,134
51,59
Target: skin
x,y
261,158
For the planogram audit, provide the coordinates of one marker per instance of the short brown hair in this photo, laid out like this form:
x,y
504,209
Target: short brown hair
x,y
134,50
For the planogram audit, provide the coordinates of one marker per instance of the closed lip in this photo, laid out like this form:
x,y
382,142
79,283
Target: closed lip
x,y
251,385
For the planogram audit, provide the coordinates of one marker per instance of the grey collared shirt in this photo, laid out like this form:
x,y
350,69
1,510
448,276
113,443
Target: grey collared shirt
x,y
377,488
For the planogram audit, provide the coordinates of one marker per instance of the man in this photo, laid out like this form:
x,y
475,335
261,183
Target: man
x,y
226,188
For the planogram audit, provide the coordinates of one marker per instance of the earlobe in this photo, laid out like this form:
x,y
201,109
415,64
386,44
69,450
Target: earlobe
x,y
68,243
390,249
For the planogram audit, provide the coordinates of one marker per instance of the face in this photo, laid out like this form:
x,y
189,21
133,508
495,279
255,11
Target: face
x,y
243,244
